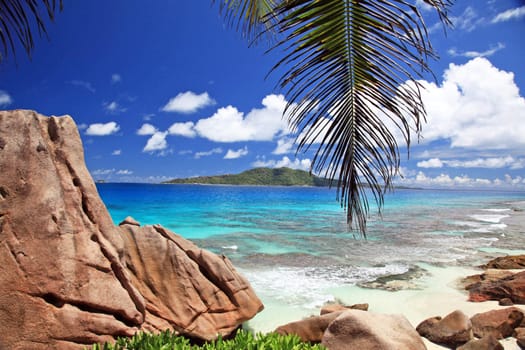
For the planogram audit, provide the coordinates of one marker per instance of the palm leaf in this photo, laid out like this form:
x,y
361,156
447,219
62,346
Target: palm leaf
x,y
348,62
346,66
18,19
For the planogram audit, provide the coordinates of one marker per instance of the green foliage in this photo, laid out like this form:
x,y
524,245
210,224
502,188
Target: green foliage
x,y
259,177
243,340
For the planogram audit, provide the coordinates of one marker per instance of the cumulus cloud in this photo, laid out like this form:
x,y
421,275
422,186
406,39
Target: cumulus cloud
x,y
476,106
207,153
183,129
508,15
84,84
301,164
230,125
116,152
489,163
157,142
113,107
472,54
232,154
124,172
188,102
431,163
116,78
147,129
102,129
284,146
5,99
462,181
423,5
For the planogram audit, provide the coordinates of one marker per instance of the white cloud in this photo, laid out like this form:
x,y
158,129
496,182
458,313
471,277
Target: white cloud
x,y
477,106
157,142
472,54
230,125
101,129
188,102
514,13
463,181
183,129
241,152
284,146
467,21
302,164
116,152
116,78
147,129
124,172
85,84
431,163
423,5
489,163
5,99
113,107
103,171
207,153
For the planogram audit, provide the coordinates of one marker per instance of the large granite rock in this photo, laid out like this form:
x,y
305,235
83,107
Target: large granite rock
x,y
488,342
70,277
310,329
453,330
511,286
356,329
499,323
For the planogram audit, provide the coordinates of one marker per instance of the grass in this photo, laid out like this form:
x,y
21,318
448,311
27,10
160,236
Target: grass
x,y
243,340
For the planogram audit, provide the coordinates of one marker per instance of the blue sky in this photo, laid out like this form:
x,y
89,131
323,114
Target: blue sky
x,y
168,90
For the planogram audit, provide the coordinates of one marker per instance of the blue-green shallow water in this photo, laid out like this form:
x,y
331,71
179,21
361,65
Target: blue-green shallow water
x,y
293,243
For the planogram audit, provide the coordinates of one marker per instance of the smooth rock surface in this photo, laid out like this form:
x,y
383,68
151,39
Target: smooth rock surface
x,y
453,330
499,323
356,329
310,329
333,307
70,277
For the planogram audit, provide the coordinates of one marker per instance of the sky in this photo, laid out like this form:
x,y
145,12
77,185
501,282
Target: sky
x,y
169,89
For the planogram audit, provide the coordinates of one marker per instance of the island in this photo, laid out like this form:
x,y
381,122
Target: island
x,y
259,177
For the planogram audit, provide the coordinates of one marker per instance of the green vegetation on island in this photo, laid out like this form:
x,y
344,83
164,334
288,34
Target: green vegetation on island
x,y
259,177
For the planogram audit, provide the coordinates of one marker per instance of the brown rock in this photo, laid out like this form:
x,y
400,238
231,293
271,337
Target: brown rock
x,y
505,302
489,275
328,308
310,329
452,330
499,323
69,276
512,287
507,262
488,342
356,329
129,221
519,334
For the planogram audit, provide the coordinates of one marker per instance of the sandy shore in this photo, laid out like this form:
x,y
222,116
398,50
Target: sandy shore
x,y
438,296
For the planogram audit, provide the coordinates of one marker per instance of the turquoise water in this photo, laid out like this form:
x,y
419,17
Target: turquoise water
x,y
293,242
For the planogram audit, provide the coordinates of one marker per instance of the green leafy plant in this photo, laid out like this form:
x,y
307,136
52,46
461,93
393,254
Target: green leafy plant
x,y
242,340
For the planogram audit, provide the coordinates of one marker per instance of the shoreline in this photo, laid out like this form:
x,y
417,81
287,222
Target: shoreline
x,y
440,295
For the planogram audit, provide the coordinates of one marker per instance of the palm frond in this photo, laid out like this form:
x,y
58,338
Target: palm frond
x,y
18,19
347,61
251,17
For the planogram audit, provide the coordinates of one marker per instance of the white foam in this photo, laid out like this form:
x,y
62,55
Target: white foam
x,y
497,210
492,218
310,287
231,247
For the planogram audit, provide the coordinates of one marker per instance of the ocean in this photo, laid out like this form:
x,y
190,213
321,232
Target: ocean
x,y
294,246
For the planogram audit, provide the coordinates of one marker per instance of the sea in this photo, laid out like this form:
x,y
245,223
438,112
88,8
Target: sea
x,y
294,245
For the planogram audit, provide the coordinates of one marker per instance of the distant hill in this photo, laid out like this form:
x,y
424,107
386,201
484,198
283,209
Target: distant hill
x,y
258,177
